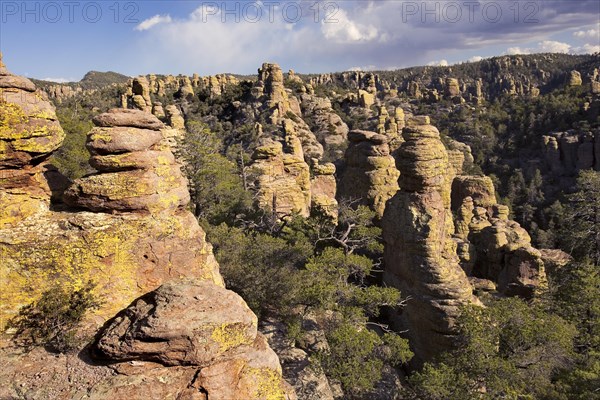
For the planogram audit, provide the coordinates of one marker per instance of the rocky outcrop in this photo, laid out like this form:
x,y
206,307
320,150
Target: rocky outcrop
x,y
323,188
479,188
281,177
567,152
29,134
493,247
329,129
197,324
137,171
420,255
299,369
574,79
140,97
283,110
370,172
126,254
190,338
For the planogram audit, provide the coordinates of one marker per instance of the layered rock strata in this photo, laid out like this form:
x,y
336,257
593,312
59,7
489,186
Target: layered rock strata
x,y
137,171
29,133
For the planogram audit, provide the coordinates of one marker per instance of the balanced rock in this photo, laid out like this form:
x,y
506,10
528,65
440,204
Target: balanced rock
x,y
370,173
137,171
420,255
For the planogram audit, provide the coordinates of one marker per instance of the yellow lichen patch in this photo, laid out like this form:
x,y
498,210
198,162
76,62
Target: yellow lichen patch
x,y
15,208
100,135
117,186
4,148
269,384
42,140
229,336
11,115
101,255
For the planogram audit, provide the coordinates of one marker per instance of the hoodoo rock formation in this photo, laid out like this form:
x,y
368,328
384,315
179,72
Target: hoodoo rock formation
x,y
571,151
187,336
500,249
420,255
137,169
370,172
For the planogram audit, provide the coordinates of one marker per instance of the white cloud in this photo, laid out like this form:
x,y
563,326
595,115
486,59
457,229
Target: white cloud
x,y
552,46
365,68
440,63
586,49
592,33
365,33
475,59
341,29
517,50
58,80
153,21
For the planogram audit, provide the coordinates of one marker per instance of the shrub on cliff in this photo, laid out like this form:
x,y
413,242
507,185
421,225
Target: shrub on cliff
x,y
52,320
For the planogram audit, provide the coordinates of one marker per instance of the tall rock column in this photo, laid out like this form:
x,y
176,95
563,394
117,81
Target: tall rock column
x,y
420,255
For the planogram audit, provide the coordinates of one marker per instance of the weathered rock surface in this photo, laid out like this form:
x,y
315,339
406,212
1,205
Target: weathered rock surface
x,y
574,78
180,323
330,130
420,255
282,178
479,188
370,172
493,247
29,134
323,188
137,170
192,323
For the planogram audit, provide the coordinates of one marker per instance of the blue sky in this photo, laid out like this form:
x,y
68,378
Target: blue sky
x,y
62,40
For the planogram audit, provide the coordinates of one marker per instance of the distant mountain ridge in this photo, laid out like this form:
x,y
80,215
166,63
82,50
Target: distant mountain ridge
x,y
91,80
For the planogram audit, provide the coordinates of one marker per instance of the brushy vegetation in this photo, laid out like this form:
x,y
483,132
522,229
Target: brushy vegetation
x,y
53,320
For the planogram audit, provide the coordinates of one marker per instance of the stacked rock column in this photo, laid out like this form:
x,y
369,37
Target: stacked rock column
x,y
137,170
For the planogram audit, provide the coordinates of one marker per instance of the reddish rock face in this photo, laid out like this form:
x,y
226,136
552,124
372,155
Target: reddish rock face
x,y
138,237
